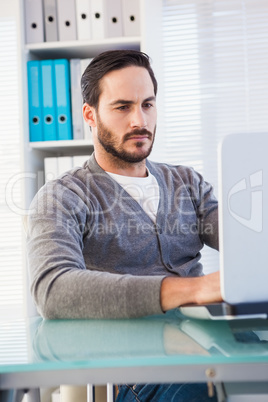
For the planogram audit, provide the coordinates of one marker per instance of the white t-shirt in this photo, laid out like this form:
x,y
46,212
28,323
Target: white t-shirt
x,y
144,190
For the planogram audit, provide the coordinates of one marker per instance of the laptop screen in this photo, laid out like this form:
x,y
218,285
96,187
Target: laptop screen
x,y
243,217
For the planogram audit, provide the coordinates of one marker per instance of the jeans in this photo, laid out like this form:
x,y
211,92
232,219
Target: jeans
x,y
165,393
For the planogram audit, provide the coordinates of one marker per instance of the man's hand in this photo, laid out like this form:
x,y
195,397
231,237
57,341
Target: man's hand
x,y
178,291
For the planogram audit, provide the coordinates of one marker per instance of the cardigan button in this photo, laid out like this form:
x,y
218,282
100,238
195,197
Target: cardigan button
x,y
158,230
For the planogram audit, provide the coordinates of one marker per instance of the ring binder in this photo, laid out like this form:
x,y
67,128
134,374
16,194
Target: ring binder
x,y
34,21
35,100
63,99
51,23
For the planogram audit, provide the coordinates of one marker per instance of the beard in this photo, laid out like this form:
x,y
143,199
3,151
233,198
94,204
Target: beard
x,y
110,143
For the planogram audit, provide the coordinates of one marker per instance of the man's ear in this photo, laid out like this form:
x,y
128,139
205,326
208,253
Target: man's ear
x,y
89,114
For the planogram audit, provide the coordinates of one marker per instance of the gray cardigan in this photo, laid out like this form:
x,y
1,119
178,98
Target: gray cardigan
x,y
94,252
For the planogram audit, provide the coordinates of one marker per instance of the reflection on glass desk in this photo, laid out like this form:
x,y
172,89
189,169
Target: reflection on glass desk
x,y
166,348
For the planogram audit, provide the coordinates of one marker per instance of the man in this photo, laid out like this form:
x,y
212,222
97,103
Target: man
x,y
121,236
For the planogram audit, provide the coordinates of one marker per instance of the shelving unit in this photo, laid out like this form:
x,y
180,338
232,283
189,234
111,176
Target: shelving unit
x,y
33,153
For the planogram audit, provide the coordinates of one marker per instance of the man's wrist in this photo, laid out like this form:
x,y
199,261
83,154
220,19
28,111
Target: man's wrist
x,y
178,291
198,290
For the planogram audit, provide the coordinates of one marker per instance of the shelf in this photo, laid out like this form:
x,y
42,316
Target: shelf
x,y
81,49
58,146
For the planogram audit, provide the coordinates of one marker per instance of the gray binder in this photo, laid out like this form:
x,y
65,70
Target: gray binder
x,y
66,20
34,21
87,132
50,12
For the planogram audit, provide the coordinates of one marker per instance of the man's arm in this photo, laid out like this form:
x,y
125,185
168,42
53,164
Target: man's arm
x,y
178,291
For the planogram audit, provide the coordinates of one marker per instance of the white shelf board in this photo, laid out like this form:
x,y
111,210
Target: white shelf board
x,y
81,49
61,145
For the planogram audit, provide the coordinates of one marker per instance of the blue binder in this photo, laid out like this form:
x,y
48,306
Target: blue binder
x,y
49,100
35,100
63,99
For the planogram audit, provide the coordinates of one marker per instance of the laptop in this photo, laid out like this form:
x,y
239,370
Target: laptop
x,y
243,230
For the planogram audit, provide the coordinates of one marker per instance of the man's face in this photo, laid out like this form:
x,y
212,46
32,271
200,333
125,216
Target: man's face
x,y
126,116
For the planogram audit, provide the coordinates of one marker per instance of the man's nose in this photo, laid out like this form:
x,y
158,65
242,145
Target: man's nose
x,y
138,118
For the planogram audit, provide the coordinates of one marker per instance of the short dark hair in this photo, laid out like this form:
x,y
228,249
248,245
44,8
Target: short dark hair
x,y
107,62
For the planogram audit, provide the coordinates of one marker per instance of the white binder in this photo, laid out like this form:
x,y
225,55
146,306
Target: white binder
x,y
51,22
34,21
84,63
83,19
65,163
87,130
131,17
51,168
66,20
113,18
97,19
79,160
77,115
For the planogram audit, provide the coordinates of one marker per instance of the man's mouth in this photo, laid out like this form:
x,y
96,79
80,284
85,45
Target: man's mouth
x,y
138,135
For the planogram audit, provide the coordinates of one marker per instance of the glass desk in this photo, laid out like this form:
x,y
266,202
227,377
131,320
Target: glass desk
x,y
167,348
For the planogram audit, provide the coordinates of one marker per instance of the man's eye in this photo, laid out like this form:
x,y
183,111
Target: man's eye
x,y
147,105
124,107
